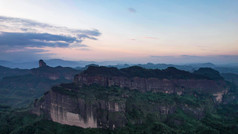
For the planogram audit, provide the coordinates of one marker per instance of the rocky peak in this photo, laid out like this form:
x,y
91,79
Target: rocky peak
x,y
42,63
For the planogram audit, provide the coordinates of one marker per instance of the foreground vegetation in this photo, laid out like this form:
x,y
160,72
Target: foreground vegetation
x,y
220,119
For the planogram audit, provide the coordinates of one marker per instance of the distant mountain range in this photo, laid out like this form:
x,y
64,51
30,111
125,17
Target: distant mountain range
x,y
55,63
118,64
51,62
19,87
187,67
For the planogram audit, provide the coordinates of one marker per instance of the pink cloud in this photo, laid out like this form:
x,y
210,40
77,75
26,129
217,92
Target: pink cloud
x,y
14,50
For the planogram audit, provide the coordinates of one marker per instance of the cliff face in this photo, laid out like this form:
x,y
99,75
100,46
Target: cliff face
x,y
216,88
169,80
110,101
154,84
93,109
76,111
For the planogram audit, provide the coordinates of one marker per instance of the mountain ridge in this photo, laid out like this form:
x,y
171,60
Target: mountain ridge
x,y
104,99
19,90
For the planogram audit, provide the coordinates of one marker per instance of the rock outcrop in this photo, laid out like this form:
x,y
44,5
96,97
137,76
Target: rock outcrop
x,y
42,63
154,84
170,80
54,73
76,111
93,100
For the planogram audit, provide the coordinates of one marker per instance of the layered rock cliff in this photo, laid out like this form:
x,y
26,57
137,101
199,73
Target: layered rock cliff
x,y
66,106
170,80
104,97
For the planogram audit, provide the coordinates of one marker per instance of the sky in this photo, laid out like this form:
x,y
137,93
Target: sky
x,y
168,31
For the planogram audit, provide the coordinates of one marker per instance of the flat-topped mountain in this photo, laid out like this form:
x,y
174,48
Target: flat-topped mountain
x,y
136,71
103,97
170,80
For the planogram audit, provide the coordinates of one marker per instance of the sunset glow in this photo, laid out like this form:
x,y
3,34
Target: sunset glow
x,y
120,30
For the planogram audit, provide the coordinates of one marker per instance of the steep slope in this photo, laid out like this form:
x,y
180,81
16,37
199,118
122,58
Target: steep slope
x,y
170,80
110,98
